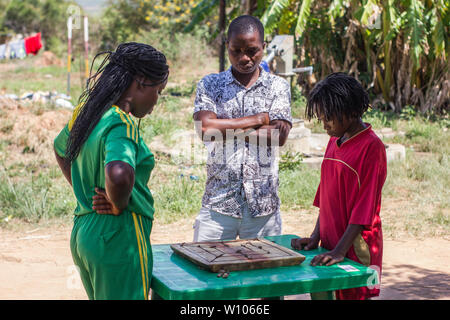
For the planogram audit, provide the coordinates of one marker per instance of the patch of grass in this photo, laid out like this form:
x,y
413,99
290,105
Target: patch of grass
x,y
178,197
168,117
290,161
156,125
425,136
381,119
298,103
26,77
7,127
418,196
34,197
186,90
298,187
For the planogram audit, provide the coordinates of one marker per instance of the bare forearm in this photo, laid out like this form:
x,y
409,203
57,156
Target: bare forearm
x,y
214,129
232,124
316,231
119,182
274,134
65,168
350,234
265,136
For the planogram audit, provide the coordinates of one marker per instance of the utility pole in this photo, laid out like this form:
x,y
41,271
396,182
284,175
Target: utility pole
x,y
69,51
86,48
222,18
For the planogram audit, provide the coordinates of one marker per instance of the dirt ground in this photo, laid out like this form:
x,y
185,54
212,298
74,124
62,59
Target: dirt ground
x,y
35,261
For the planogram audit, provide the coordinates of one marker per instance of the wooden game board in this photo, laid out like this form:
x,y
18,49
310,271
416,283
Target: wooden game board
x,y
233,255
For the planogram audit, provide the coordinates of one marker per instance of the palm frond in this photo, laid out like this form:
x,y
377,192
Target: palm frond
x,y
395,21
368,10
336,8
303,16
416,30
271,16
438,31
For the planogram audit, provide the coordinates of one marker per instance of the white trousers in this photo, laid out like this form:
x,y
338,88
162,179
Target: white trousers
x,y
211,225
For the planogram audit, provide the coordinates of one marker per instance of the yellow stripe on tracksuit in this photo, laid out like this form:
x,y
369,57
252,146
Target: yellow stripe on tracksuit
x,y
142,245
145,252
135,131
131,131
75,114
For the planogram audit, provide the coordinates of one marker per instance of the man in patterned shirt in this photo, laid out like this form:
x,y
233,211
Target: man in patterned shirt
x,y
244,115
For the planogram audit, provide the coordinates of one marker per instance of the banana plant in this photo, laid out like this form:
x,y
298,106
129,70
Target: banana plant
x,y
398,48
389,33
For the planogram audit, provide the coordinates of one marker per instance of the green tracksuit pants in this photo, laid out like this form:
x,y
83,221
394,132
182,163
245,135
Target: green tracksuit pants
x,y
113,254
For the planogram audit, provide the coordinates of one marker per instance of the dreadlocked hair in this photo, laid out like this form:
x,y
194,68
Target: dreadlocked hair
x,y
113,77
336,96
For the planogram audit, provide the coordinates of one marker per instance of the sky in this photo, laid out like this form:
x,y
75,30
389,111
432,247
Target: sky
x,y
92,6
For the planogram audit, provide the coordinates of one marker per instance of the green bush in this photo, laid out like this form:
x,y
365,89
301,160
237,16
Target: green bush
x,y
47,16
178,197
34,198
298,187
290,161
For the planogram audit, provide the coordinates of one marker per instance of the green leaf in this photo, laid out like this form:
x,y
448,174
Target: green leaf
x,y
336,9
416,30
201,12
303,16
368,11
272,15
438,34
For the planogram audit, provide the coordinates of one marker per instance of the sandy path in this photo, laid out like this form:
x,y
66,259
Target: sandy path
x,y
35,261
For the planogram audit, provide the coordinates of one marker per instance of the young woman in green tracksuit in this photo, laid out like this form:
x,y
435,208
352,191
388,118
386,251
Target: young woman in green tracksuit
x,y
102,155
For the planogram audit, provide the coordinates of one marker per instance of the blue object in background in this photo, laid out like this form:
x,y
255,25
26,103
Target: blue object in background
x,y
265,66
17,49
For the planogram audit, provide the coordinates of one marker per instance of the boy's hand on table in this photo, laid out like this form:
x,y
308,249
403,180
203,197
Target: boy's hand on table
x,y
327,259
305,243
102,205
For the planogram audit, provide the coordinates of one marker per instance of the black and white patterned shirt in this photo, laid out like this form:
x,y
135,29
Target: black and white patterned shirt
x,y
239,171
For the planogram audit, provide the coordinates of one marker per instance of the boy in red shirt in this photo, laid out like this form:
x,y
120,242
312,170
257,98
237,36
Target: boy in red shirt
x,y
352,176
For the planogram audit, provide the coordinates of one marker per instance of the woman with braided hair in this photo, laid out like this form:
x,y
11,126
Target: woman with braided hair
x,y
103,156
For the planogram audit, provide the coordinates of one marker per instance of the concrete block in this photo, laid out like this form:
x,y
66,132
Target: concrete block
x,y
298,139
313,162
318,142
386,133
395,152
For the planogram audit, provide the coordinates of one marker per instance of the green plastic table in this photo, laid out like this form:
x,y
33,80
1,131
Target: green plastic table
x,y
175,278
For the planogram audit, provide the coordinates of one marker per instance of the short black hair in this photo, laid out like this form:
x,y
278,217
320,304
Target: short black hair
x,y
336,96
245,24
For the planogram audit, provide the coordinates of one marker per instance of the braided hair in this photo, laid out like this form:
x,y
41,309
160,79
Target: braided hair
x,y
113,77
336,96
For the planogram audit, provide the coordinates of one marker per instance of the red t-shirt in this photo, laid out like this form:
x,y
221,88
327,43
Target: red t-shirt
x,y
33,44
352,176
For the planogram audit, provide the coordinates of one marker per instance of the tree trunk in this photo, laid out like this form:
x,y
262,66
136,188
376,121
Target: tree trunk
x,y
249,6
387,52
222,18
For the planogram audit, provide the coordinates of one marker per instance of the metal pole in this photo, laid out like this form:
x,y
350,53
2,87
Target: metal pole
x,y
86,48
222,17
69,52
308,70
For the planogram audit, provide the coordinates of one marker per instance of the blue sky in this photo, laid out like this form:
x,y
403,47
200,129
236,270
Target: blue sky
x,y
92,6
